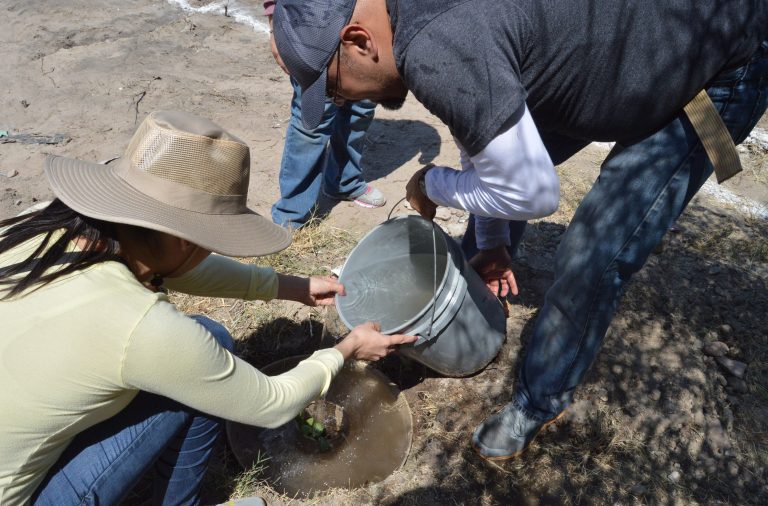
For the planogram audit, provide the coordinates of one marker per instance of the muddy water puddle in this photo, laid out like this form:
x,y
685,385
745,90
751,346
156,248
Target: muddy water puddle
x,y
376,444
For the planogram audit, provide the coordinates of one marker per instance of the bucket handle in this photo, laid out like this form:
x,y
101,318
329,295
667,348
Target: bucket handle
x,y
429,335
434,281
389,216
443,321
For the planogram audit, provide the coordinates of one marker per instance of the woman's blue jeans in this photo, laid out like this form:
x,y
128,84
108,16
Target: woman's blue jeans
x,y
327,156
104,462
642,189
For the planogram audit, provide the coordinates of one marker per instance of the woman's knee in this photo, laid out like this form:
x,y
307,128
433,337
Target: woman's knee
x,y
219,332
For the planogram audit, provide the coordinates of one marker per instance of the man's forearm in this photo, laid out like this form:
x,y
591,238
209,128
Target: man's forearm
x,y
511,179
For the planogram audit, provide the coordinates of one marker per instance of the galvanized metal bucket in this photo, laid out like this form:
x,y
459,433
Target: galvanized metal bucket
x,y
412,278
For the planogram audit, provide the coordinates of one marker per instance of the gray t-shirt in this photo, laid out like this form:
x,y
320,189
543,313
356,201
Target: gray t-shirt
x,y
604,70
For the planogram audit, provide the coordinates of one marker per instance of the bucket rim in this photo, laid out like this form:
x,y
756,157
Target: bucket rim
x,y
443,280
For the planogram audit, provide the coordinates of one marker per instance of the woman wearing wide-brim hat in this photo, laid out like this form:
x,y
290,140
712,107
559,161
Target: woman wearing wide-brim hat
x,y
101,378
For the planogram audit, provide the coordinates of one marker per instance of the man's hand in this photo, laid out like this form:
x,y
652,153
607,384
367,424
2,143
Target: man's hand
x,y
417,198
495,268
273,47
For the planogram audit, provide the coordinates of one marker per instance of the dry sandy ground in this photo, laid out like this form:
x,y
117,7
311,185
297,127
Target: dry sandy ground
x,y
657,421
92,70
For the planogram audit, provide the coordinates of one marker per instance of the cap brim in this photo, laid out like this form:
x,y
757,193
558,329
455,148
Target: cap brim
x,y
99,192
313,102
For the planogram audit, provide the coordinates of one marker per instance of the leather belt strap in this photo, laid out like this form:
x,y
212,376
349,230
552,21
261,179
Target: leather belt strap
x,y
714,136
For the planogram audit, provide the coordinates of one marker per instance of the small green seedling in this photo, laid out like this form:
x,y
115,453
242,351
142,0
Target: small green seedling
x,y
314,430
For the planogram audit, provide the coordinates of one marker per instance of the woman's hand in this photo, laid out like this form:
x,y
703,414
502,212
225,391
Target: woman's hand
x,y
366,342
314,291
322,290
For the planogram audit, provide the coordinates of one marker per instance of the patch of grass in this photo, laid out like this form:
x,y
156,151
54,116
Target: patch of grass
x,y
430,427
756,249
762,393
316,249
250,479
729,243
756,163
573,188
714,242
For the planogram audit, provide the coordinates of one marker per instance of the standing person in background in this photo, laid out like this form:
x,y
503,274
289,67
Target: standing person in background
x,y
325,156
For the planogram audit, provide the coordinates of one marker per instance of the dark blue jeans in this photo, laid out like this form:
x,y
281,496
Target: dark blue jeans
x,y
328,156
104,462
642,189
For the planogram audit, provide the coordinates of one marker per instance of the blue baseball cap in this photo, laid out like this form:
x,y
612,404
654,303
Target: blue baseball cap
x,y
307,33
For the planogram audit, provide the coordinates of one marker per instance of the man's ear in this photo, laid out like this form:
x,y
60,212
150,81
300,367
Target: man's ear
x,y
360,40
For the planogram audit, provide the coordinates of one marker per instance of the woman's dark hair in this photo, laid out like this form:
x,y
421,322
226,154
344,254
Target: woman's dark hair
x,y
48,221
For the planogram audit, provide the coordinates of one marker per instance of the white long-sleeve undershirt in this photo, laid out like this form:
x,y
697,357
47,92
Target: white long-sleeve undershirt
x,y
513,178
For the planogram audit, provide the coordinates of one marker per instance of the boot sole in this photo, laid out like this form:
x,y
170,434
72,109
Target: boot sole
x,y
517,454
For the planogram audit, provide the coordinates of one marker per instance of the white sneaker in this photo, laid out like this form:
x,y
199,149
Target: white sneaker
x,y
370,198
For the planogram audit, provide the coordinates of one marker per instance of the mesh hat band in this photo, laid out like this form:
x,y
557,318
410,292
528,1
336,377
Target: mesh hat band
x,y
221,166
160,155
186,198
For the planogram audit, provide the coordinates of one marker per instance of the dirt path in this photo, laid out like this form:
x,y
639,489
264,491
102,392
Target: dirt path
x,y
658,419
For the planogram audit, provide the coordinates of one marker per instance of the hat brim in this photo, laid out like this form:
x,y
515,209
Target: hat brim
x,y
97,191
313,101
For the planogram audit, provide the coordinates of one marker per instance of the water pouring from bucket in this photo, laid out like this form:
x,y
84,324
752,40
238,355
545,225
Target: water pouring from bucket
x,y
412,277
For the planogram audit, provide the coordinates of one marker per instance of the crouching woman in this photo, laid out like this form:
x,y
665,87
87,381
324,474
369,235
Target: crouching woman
x,y
101,378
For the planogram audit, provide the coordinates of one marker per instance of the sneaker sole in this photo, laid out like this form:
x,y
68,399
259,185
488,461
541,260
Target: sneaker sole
x,y
367,205
517,454
354,201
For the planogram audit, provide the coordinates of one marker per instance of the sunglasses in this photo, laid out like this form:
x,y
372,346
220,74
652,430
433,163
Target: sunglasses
x,y
333,93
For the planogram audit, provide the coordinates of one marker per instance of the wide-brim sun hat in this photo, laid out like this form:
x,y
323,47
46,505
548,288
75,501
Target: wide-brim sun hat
x,y
182,175
307,33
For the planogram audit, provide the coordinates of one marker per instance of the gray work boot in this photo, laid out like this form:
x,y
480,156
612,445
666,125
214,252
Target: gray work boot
x,y
506,434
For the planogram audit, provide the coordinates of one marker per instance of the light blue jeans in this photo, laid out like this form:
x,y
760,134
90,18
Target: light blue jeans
x,y
327,156
104,462
642,189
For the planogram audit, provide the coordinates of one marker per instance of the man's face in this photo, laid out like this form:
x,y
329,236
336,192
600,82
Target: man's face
x,y
353,78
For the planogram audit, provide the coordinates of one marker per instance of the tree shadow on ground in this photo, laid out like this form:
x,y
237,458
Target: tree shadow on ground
x,y
390,144
655,420
282,338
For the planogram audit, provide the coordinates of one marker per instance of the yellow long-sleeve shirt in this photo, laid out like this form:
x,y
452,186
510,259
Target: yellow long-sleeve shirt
x,y
77,351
